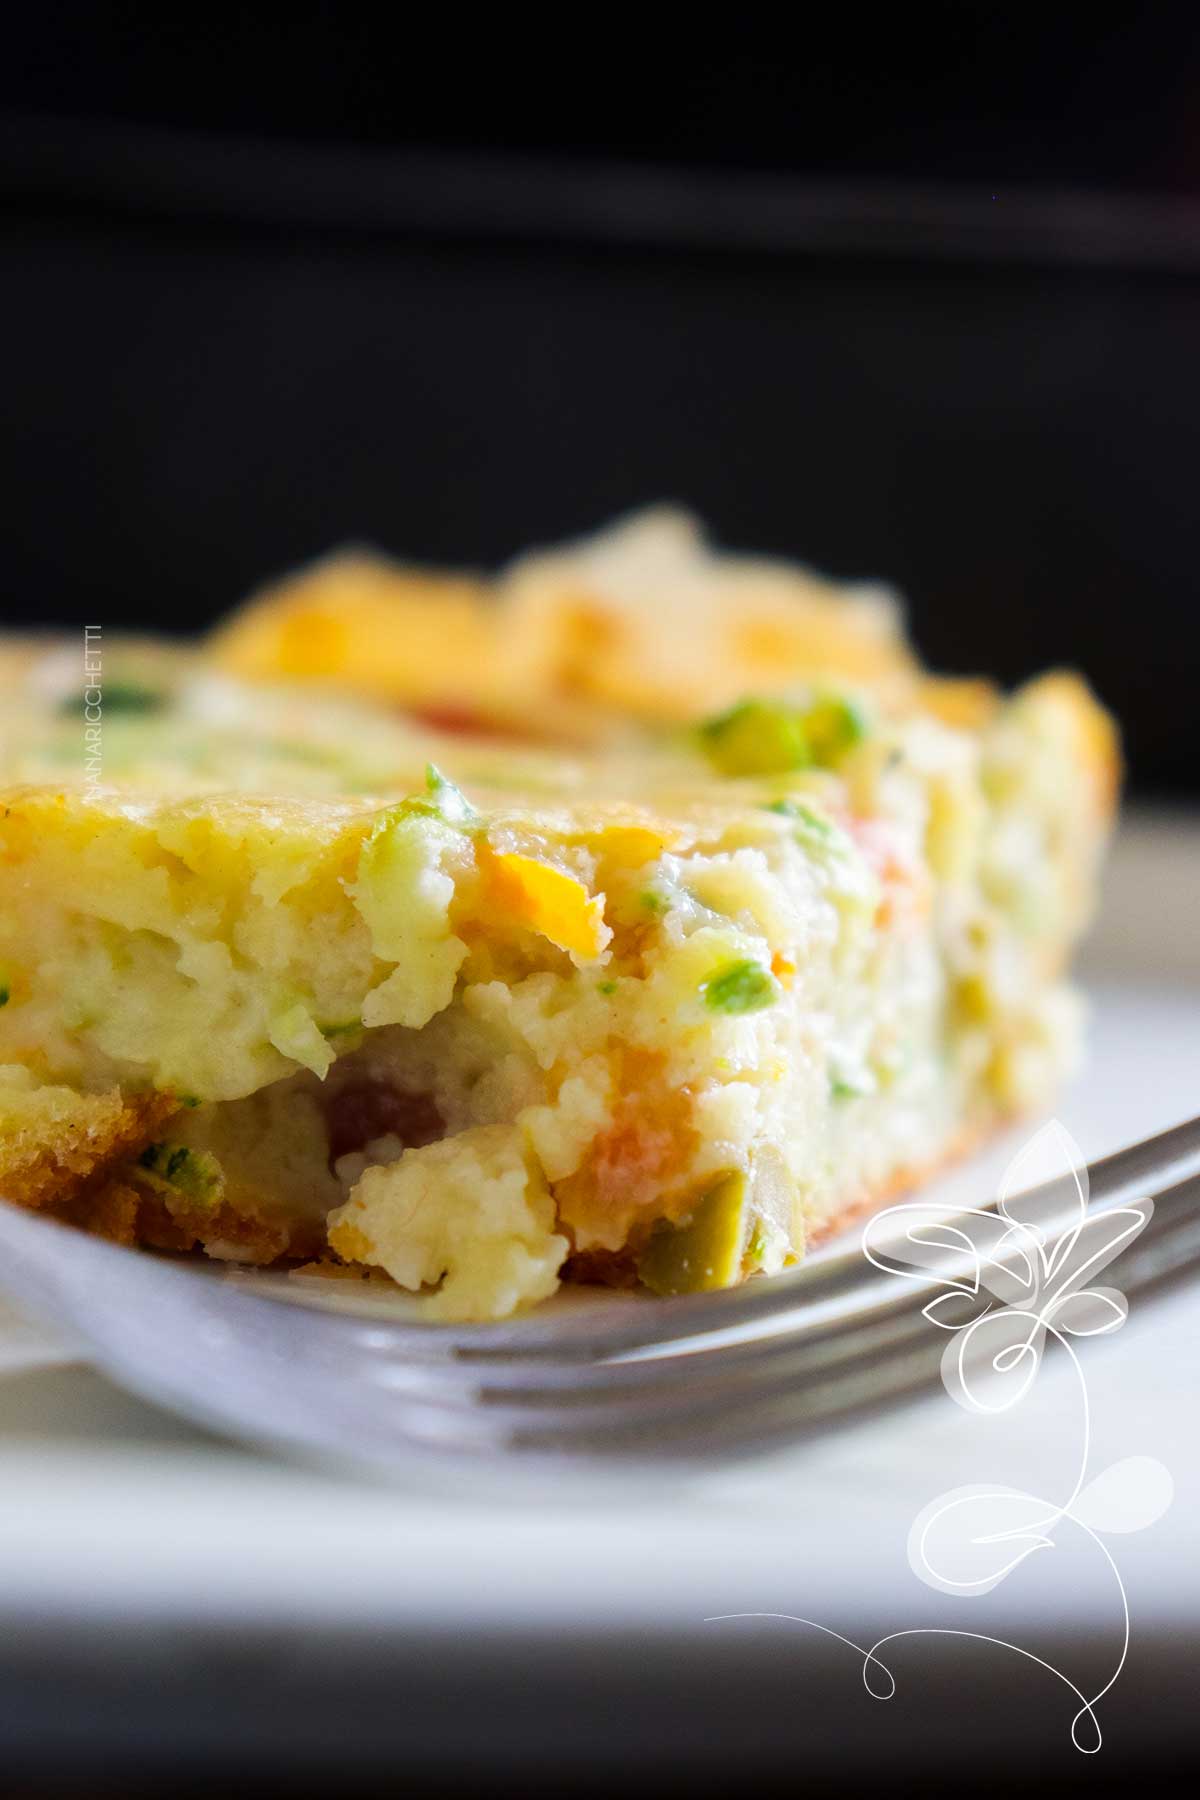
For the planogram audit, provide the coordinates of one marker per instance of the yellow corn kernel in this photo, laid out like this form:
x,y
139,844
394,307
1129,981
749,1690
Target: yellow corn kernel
x,y
631,846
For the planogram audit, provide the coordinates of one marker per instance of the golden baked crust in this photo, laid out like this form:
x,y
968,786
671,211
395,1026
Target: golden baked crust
x,y
124,1209
359,621
641,623
54,1140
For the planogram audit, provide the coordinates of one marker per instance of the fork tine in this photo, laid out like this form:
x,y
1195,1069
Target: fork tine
x,y
700,1396
660,1374
724,1396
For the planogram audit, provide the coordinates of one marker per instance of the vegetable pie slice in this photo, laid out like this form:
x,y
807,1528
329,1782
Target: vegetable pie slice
x,y
305,982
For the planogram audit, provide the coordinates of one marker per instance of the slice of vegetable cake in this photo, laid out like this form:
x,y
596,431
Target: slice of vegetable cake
x,y
276,991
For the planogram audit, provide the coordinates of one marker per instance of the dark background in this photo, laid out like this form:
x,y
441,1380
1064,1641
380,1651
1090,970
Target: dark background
x,y
916,298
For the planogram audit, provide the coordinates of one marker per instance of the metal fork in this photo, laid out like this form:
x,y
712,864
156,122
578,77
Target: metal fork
x,y
619,1377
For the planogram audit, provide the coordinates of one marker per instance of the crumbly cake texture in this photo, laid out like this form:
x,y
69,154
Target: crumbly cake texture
x,y
311,981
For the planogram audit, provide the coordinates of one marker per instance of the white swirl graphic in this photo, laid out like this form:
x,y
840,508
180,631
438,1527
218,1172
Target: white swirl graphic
x,y
1012,1279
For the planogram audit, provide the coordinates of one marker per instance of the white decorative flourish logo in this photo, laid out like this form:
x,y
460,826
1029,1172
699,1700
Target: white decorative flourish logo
x,y
1021,1274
